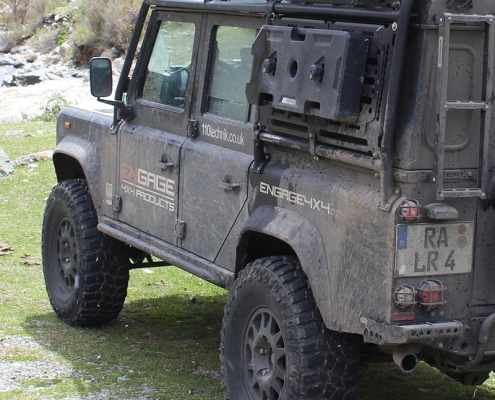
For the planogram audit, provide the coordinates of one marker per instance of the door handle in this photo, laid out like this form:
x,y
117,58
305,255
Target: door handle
x,y
228,186
165,165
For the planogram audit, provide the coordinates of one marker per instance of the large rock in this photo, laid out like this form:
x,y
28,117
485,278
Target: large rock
x,y
46,155
5,45
9,61
31,56
30,78
6,60
117,65
8,81
5,166
54,76
53,59
112,53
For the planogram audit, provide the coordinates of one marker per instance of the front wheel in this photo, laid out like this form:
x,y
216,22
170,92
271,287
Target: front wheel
x,y
274,342
86,272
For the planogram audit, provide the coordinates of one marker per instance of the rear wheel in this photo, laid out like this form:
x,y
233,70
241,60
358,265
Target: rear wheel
x,y
274,343
86,272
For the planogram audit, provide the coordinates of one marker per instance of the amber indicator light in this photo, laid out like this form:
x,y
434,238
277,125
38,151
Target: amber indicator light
x,y
67,125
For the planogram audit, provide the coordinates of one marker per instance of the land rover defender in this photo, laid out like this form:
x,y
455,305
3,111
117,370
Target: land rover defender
x,y
331,163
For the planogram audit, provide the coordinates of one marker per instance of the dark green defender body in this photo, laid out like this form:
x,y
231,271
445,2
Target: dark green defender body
x,y
331,163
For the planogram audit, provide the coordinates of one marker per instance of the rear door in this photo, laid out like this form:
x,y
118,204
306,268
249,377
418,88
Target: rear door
x,y
215,163
150,144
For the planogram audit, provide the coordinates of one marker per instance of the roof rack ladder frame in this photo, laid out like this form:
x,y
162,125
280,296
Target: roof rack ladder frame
x,y
443,104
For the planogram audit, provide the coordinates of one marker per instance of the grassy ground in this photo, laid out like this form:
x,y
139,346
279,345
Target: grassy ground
x,y
163,346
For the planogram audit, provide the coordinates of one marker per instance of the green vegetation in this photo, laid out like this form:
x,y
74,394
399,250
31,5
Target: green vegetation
x,y
89,28
62,36
95,31
163,345
22,18
49,110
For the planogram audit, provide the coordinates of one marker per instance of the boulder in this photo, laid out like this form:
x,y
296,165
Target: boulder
x,y
117,65
63,48
9,81
54,76
31,56
7,60
5,166
81,74
30,78
5,46
32,158
53,59
112,53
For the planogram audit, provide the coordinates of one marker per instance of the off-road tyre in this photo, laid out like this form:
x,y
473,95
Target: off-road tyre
x,y
86,272
274,342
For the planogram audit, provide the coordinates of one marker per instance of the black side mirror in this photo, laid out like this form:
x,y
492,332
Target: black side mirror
x,y
100,77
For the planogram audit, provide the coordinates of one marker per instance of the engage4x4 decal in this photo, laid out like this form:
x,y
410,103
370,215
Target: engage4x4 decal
x,y
147,186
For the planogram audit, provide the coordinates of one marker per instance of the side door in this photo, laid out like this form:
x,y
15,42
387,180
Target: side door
x,y
215,163
150,144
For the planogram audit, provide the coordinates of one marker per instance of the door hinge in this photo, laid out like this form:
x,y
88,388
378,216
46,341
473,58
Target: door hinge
x,y
180,229
117,203
192,128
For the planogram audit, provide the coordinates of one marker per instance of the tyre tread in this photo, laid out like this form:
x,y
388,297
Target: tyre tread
x,y
104,264
327,362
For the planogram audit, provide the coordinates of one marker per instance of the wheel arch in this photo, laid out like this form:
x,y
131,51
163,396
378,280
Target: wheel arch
x,y
77,158
278,231
67,167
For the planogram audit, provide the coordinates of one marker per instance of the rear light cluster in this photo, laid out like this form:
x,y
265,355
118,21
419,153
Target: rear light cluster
x,y
430,295
409,210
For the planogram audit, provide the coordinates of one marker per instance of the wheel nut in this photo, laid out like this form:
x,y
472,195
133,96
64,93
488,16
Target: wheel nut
x,y
266,371
262,351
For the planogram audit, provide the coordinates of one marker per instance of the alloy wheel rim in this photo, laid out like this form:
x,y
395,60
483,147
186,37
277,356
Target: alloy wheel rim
x,y
264,355
67,254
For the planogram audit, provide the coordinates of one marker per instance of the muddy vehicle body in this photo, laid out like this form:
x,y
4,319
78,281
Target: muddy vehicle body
x,y
331,164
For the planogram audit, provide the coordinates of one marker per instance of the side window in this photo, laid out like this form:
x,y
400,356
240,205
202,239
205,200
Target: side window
x,y
230,71
168,68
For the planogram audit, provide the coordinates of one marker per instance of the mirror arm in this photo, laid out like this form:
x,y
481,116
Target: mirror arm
x,y
116,103
122,111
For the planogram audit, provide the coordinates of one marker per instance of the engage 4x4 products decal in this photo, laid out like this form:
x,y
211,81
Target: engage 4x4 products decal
x,y
147,186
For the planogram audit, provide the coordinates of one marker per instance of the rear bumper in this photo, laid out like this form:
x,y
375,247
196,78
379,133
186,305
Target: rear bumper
x,y
437,335
378,333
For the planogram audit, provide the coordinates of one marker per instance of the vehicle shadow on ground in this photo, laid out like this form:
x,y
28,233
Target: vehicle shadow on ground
x,y
163,347
168,347
386,381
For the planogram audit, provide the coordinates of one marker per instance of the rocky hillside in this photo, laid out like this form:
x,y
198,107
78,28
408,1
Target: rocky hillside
x,y
41,48
45,65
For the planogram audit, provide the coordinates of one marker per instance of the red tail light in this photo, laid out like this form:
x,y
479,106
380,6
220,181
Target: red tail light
x,y
409,210
430,294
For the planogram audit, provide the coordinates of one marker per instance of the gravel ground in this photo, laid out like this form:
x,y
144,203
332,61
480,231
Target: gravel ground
x,y
17,374
29,100
16,101
13,372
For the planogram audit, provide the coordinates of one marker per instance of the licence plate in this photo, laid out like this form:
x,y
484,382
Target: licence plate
x,y
439,249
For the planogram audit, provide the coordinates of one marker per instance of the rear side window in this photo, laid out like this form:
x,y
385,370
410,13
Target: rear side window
x,y
231,63
167,74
